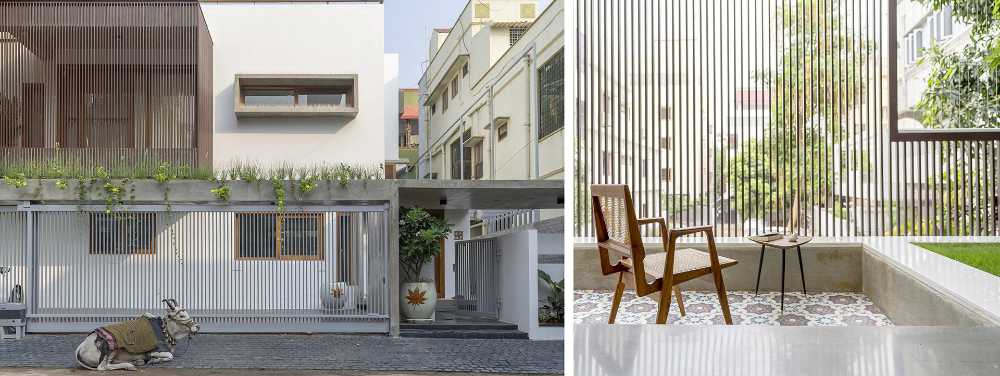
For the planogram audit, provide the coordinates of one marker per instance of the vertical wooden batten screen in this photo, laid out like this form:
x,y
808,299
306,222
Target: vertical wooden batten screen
x,y
729,112
116,83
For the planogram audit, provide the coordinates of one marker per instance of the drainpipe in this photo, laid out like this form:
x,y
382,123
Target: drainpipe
x,y
493,140
533,108
531,128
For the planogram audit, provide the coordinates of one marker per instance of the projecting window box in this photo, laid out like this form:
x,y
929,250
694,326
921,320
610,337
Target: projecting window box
x,y
296,95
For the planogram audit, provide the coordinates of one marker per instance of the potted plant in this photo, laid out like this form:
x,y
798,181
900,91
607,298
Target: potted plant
x,y
420,236
552,312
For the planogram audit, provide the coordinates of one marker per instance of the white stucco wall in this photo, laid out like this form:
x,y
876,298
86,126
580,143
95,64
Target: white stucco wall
x,y
391,108
519,279
299,38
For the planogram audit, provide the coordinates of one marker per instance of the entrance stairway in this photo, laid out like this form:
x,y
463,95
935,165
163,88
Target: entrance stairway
x,y
461,324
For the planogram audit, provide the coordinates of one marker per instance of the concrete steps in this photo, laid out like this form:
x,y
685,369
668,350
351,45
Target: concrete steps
x,y
476,330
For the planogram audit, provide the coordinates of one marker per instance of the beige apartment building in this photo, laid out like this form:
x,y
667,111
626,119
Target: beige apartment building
x,y
492,95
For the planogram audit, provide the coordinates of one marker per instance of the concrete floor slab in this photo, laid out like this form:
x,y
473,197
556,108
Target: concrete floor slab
x,y
758,350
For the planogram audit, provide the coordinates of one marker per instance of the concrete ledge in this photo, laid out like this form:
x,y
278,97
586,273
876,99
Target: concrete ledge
x,y
179,191
909,299
828,267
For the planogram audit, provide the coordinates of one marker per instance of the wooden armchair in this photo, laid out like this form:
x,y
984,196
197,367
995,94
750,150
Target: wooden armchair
x,y
617,231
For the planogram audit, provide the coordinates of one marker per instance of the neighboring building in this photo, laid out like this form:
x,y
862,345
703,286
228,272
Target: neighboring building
x,y
920,27
492,108
492,95
409,130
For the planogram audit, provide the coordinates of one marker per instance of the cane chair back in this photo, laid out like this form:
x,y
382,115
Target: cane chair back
x,y
617,230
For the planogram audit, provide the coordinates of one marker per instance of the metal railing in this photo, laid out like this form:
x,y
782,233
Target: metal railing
x,y
234,269
477,275
500,221
746,114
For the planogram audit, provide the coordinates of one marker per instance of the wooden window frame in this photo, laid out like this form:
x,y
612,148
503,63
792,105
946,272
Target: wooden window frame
x,y
278,218
91,242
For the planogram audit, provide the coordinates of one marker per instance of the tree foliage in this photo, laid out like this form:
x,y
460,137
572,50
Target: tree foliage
x,y
819,79
420,236
963,88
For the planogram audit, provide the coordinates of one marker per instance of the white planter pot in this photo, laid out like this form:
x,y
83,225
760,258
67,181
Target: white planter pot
x,y
417,300
339,295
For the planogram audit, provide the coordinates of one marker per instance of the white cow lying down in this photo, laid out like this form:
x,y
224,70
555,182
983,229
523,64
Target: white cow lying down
x,y
100,352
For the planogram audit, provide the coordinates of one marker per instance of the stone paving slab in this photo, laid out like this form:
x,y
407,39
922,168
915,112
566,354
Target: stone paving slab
x,y
317,352
217,372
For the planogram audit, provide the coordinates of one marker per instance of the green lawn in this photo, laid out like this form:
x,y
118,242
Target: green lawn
x,y
982,256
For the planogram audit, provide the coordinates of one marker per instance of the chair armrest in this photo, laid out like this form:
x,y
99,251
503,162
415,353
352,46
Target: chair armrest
x,y
677,232
651,221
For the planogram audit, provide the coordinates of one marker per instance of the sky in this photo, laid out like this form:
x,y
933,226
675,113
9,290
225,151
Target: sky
x,y
408,25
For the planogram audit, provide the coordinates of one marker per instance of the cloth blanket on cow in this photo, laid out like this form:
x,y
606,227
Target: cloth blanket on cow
x,y
137,336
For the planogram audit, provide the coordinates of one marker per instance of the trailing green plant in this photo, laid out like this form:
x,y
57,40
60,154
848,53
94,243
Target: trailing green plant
x,y
61,183
113,196
17,180
279,193
420,236
307,184
222,191
554,309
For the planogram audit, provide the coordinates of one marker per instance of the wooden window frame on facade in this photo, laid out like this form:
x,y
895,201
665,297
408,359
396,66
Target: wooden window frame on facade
x,y
278,218
91,242
296,91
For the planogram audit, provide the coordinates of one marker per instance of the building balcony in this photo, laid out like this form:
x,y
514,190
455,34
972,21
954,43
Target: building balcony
x,y
105,82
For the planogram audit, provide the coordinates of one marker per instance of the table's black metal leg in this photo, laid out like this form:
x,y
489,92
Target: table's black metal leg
x,y
802,270
760,265
783,280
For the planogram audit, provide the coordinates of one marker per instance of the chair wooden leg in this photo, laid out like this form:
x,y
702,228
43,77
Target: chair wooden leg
x,y
720,289
663,309
680,300
617,300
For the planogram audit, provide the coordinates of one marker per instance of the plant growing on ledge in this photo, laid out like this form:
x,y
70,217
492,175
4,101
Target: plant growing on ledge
x,y
420,236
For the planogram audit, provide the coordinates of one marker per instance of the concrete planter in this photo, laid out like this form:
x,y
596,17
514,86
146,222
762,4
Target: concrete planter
x,y
147,191
417,300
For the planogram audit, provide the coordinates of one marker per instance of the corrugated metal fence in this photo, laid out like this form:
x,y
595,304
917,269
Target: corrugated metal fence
x,y
252,269
477,275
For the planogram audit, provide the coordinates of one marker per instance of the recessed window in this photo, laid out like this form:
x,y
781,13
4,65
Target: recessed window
x,y
551,95
444,100
465,69
502,128
122,233
319,96
296,95
434,107
454,87
274,236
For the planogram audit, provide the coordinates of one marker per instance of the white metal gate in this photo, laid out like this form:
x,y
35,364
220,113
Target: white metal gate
x,y
235,268
477,275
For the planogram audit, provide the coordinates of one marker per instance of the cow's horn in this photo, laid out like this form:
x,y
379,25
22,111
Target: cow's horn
x,y
172,304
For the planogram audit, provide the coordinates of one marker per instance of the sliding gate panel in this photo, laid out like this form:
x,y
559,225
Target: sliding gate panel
x,y
14,261
477,275
237,270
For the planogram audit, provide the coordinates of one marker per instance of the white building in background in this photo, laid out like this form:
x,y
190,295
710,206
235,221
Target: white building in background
x,y
921,28
492,108
267,77
492,94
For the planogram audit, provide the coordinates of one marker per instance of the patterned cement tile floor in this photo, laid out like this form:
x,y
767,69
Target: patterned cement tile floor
x,y
702,308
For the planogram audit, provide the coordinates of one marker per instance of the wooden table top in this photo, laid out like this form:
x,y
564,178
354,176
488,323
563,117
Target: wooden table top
x,y
782,243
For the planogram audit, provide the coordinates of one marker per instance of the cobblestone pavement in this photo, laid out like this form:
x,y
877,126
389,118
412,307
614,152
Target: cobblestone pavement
x,y
216,372
317,352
